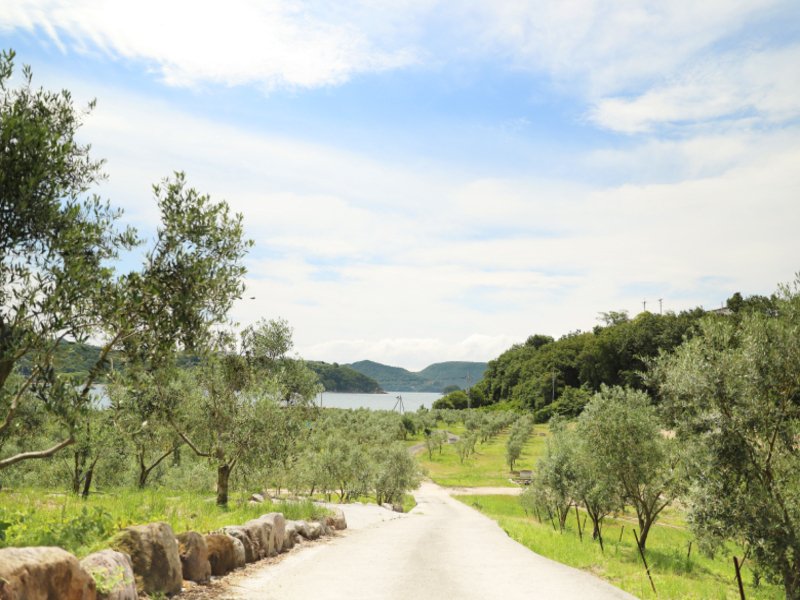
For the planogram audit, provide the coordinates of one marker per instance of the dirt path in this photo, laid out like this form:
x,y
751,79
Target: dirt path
x,y
442,549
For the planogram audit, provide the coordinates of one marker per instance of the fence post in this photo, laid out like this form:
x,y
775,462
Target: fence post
x,y
739,577
644,560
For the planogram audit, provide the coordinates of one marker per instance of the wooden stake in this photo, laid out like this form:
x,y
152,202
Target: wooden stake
x,y
689,553
644,560
584,522
551,518
578,519
739,577
620,534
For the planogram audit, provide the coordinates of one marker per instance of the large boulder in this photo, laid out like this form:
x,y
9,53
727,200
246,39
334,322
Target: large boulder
x,y
288,536
43,573
221,553
113,572
398,508
243,535
263,535
301,527
314,531
240,559
338,519
276,522
193,553
257,498
156,560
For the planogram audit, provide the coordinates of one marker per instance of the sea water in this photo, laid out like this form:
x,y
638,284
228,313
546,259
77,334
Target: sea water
x,y
410,401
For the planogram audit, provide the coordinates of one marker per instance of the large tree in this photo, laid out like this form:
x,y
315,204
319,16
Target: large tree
x,y
58,247
733,392
631,451
248,404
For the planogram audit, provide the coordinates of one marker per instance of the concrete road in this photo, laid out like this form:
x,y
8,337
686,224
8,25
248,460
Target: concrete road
x,y
442,549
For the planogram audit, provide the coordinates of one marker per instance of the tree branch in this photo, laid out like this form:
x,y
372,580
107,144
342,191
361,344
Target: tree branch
x,y
31,455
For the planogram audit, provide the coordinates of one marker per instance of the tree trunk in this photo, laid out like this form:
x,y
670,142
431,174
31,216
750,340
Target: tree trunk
x,y
223,474
88,482
143,472
791,581
76,475
644,525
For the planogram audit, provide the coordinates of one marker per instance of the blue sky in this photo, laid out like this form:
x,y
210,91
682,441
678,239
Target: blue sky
x,y
435,180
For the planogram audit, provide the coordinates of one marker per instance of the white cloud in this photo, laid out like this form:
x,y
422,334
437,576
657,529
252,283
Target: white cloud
x,y
270,42
373,260
763,85
410,353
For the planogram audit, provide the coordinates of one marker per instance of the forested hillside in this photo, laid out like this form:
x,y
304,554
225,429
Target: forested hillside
x,y
341,378
431,379
558,376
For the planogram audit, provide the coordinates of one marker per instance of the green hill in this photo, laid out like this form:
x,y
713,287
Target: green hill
x,y
341,378
454,372
431,379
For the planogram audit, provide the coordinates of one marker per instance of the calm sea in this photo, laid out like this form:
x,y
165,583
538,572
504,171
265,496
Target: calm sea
x,y
411,400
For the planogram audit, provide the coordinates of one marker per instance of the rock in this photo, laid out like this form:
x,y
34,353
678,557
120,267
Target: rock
x,y
221,553
288,536
398,508
243,535
193,553
113,572
239,560
276,522
258,498
156,560
387,506
314,531
339,520
262,536
301,527
326,530
43,573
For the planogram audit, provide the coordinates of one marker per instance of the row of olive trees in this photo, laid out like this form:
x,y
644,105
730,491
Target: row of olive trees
x,y
519,433
722,435
617,455
353,454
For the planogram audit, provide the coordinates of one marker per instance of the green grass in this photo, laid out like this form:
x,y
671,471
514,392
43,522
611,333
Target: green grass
x,y
675,575
486,468
37,518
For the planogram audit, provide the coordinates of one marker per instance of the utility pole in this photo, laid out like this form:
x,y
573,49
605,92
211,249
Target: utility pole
x,y
644,305
660,307
554,385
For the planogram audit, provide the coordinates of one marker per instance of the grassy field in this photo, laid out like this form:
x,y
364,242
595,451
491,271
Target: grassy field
x,y
36,518
675,576
486,468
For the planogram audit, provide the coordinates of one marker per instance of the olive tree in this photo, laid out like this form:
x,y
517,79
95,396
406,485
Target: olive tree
x,y
248,404
623,430
734,394
58,248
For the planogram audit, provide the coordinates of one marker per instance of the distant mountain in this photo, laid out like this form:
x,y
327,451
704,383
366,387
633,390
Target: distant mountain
x,y
431,379
454,372
341,378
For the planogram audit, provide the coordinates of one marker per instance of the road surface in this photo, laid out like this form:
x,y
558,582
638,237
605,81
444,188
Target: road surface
x,y
441,549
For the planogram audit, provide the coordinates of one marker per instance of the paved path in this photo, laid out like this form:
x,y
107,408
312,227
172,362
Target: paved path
x,y
442,549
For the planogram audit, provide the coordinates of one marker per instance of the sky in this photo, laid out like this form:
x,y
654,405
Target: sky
x,y
433,180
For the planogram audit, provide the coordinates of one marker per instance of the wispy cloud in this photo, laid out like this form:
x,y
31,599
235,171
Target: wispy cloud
x,y
269,43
